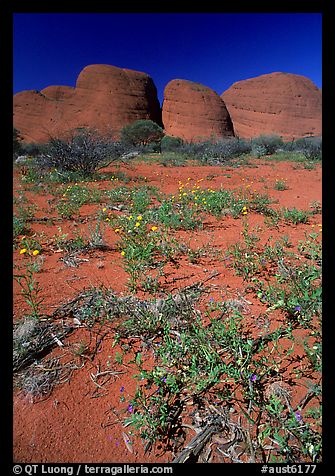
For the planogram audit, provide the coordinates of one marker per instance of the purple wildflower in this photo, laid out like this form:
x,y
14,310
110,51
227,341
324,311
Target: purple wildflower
x,y
298,416
130,408
297,308
122,389
253,378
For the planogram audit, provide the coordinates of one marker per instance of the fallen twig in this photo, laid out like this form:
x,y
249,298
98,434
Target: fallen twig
x,y
197,443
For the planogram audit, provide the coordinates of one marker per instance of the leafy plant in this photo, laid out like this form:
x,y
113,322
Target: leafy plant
x,y
269,143
67,209
220,151
142,132
280,185
17,142
310,147
173,158
295,216
20,226
170,144
179,217
31,290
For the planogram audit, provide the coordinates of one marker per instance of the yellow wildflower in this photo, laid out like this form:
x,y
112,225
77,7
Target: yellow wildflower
x,y
154,228
117,230
36,252
137,224
23,250
123,253
139,217
104,209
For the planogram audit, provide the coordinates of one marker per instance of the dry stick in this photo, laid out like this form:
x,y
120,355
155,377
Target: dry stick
x,y
251,447
206,457
96,383
198,283
197,443
267,338
112,372
303,402
227,455
47,344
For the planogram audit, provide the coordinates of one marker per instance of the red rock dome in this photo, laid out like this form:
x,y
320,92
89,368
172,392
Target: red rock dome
x,y
194,112
106,98
278,103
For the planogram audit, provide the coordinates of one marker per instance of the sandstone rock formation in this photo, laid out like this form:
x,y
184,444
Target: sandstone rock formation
x,y
194,112
278,103
106,98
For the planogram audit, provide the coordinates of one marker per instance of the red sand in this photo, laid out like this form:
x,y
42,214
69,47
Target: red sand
x,y
74,424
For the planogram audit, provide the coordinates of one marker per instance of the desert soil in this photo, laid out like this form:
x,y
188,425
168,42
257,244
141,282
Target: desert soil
x,y
81,421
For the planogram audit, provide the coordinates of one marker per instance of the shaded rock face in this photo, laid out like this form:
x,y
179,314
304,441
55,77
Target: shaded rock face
x,y
278,103
106,98
194,112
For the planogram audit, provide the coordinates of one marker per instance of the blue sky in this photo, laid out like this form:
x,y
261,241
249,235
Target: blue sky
x,y
215,49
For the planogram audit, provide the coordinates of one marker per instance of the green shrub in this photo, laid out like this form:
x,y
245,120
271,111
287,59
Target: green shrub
x,y
280,185
258,150
84,151
309,147
17,146
225,149
172,159
34,149
194,150
266,143
295,216
142,133
170,144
